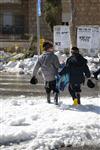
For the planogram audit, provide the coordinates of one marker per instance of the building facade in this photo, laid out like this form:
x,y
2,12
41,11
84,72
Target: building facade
x,y
80,12
18,22
18,19
85,12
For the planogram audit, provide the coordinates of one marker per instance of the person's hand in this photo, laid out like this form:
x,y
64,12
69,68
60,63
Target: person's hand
x,y
33,80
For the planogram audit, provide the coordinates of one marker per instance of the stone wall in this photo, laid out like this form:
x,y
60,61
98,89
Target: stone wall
x,y
84,12
27,8
66,11
87,12
17,9
10,44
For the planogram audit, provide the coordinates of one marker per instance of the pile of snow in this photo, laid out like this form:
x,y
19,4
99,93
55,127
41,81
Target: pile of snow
x,y
62,57
93,63
25,66
32,123
4,54
3,57
1,66
18,56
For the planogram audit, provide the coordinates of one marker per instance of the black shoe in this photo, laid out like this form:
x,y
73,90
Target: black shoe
x,y
78,97
95,76
48,98
56,99
56,102
79,101
49,101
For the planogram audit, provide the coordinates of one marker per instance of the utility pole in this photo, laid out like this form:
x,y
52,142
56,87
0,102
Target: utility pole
x,y
72,24
38,10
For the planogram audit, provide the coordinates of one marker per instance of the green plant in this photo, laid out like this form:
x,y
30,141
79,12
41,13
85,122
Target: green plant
x,y
2,57
12,59
52,11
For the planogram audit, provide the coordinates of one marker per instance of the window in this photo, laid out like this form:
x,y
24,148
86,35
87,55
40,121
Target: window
x,y
11,23
7,19
7,23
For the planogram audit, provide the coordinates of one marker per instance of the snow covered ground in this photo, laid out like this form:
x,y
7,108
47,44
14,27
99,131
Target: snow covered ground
x,y
29,123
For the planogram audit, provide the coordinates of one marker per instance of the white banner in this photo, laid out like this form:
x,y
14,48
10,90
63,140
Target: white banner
x,y
88,37
84,37
95,42
61,37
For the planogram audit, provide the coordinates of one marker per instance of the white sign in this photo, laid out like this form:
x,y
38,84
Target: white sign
x,y
95,42
88,37
84,35
61,37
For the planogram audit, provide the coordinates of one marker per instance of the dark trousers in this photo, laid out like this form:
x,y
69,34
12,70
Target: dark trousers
x,y
97,72
74,90
51,86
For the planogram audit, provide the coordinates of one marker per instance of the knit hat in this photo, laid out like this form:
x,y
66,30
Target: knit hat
x,y
47,45
75,50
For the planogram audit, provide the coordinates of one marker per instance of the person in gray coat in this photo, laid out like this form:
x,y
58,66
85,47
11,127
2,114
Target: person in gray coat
x,y
49,64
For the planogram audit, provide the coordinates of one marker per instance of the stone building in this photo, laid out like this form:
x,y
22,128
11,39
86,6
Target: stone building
x,y
18,19
18,22
80,12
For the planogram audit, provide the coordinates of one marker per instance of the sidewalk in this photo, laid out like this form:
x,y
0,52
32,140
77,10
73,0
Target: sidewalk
x,y
81,148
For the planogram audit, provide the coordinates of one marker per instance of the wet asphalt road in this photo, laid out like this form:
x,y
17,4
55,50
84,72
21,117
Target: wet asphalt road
x,y
15,85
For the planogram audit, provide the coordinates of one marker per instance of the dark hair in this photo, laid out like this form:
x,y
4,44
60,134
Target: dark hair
x,y
74,50
47,45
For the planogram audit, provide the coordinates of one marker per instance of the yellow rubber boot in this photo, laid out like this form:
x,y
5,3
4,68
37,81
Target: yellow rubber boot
x,y
75,102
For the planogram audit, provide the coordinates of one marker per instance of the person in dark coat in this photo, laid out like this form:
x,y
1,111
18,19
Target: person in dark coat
x,y
76,67
96,73
49,64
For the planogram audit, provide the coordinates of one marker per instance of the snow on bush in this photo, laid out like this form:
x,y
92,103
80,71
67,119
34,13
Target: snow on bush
x,y
25,66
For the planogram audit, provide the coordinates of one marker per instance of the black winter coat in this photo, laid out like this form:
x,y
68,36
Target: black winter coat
x,y
76,66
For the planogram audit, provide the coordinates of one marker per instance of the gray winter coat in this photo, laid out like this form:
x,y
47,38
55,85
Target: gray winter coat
x,y
49,64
